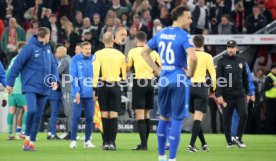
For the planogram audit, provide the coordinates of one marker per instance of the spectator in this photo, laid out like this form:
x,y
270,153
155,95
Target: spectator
x,y
165,17
125,20
200,17
137,6
33,12
33,30
130,40
2,28
12,34
96,26
80,5
85,28
136,22
117,23
215,15
116,6
270,100
95,6
54,29
45,16
147,20
157,26
255,21
109,22
78,21
225,27
271,6
239,17
265,12
72,39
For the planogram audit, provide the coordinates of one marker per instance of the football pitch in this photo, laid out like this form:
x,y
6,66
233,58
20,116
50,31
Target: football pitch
x,y
260,148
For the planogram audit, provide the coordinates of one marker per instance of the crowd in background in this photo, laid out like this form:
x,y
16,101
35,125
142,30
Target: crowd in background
x,y
74,21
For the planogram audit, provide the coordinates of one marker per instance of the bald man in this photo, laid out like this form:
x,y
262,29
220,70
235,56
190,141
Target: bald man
x,y
111,63
63,70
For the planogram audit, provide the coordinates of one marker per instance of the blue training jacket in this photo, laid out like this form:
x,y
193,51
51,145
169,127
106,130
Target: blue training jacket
x,y
81,70
37,66
2,75
250,81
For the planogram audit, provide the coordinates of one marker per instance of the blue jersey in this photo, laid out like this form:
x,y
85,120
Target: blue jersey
x,y
171,43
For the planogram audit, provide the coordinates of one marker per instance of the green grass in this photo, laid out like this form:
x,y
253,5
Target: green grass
x,y
260,148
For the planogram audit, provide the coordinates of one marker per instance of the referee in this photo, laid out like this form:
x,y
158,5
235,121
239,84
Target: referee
x,y
199,92
111,64
143,90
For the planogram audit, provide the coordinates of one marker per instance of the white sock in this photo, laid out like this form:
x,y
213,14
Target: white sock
x,y
172,159
162,157
49,133
27,137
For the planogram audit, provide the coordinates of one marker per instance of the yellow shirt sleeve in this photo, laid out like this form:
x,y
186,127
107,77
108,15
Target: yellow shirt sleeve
x,y
130,59
96,69
123,68
212,71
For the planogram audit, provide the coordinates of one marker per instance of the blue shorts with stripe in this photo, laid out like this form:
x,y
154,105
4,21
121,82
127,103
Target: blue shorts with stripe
x,y
174,101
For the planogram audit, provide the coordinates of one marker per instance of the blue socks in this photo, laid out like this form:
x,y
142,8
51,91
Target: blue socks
x,y
174,137
161,136
235,123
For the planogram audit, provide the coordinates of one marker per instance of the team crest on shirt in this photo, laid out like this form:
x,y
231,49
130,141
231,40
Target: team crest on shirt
x,y
241,65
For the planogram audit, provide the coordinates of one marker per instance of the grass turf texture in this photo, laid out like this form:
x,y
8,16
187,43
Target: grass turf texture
x,y
260,147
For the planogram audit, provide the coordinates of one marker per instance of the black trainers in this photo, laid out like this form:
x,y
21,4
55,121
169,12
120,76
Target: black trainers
x,y
230,145
48,137
67,137
140,147
192,149
112,147
205,148
105,147
240,143
55,137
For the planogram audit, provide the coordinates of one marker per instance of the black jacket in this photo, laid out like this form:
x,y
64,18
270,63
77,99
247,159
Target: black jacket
x,y
237,86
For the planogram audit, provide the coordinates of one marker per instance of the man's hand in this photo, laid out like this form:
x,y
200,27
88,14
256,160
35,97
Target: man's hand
x,y
54,86
95,96
220,100
9,89
247,98
78,98
252,98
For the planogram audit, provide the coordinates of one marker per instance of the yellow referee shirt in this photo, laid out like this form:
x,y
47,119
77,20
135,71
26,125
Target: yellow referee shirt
x,y
112,65
142,69
204,63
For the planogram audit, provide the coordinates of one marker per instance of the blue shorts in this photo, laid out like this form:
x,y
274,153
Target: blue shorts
x,y
174,101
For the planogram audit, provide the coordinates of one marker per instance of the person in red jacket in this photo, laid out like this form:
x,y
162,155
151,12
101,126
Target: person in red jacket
x,y
2,28
271,6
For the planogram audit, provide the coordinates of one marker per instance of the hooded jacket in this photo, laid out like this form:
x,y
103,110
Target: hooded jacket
x,y
37,66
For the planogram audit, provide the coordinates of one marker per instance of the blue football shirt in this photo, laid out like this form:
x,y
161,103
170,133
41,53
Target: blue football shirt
x,y
171,44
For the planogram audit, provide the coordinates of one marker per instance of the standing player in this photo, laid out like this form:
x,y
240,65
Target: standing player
x,y
173,45
81,70
143,90
111,63
199,92
35,63
16,100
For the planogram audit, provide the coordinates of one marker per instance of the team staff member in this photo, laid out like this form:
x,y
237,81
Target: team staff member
x,y
63,71
143,90
35,63
270,100
81,70
111,63
120,39
199,92
233,69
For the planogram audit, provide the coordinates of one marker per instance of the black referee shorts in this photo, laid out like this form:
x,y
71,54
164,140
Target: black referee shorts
x,y
198,98
109,96
142,94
